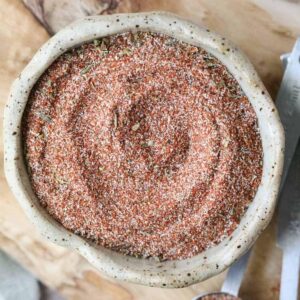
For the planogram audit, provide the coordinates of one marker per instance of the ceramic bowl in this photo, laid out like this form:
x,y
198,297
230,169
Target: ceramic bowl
x,y
177,273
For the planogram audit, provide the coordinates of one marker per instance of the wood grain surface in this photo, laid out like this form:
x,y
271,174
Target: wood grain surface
x,y
264,29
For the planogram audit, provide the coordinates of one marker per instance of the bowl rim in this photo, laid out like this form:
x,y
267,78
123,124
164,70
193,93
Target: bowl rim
x,y
172,274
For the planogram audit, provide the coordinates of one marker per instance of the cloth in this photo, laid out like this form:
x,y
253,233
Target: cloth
x,y
16,283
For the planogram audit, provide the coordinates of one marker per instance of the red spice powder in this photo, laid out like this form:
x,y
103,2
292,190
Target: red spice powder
x,y
144,144
220,296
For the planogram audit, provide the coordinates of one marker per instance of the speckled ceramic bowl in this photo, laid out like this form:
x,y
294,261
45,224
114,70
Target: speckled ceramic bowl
x,y
146,271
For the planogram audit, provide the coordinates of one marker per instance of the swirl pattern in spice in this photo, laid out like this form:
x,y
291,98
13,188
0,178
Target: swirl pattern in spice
x,y
144,144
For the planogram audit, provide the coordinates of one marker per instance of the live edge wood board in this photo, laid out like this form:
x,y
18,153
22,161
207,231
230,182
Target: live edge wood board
x,y
263,29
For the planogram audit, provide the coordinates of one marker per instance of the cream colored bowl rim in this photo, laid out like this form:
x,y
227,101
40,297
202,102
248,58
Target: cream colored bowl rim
x,y
148,271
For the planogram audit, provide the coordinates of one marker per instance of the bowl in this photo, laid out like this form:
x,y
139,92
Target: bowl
x,y
175,273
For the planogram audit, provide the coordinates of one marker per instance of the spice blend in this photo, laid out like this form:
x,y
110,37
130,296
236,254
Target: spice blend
x,y
220,296
144,144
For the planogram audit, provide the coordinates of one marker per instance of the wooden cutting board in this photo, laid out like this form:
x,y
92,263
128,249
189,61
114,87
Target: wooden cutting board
x,y
264,29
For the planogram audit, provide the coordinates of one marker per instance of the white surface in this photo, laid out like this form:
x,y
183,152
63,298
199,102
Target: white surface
x,y
15,282
290,275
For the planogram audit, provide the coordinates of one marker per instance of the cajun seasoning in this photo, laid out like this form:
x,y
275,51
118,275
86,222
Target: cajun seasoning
x,y
143,144
220,296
